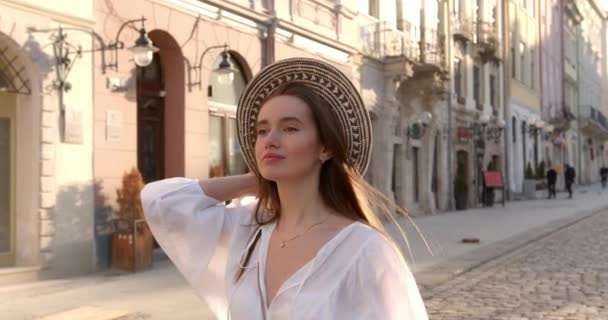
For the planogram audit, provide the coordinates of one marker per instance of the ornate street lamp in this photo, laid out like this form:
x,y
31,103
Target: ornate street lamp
x,y
67,53
225,70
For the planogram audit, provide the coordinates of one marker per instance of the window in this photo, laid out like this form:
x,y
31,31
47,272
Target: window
x,y
493,95
514,129
416,170
533,8
532,68
458,78
523,3
476,87
513,58
225,155
522,61
369,7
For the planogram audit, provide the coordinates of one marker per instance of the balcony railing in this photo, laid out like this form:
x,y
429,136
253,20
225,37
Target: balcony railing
x,y
488,40
381,40
431,48
594,115
462,27
487,33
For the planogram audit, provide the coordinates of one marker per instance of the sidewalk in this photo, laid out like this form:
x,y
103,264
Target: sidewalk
x,y
499,230
161,293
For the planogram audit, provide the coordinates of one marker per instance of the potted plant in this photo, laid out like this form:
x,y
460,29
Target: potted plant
x,y
540,175
132,241
529,189
461,188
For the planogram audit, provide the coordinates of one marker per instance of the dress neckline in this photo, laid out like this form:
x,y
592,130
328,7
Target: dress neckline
x,y
308,267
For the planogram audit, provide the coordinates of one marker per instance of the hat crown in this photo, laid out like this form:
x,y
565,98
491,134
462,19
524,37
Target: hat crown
x,y
325,80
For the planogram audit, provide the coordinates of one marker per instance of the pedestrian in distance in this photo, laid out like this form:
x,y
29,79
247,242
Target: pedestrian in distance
x,y
302,238
604,176
569,176
551,181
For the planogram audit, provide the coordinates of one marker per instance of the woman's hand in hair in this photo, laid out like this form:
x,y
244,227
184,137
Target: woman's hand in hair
x,y
230,187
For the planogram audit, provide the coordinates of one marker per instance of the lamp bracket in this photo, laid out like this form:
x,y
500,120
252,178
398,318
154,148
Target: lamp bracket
x,y
197,68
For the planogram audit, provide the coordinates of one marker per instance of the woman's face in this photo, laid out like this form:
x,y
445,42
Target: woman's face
x,y
288,144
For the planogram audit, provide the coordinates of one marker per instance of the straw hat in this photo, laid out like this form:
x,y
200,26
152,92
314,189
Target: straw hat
x,y
330,84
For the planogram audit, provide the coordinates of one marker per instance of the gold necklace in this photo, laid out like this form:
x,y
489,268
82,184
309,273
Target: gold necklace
x,y
303,233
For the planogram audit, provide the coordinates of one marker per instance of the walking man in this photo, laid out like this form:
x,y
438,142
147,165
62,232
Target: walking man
x,y
551,180
569,175
604,175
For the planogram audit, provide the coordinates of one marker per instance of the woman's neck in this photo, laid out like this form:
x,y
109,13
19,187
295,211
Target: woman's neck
x,y
301,204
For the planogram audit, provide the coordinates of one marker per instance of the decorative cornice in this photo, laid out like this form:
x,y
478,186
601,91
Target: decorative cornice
x,y
58,16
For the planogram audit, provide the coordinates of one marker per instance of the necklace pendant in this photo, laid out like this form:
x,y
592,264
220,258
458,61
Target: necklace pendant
x,y
282,244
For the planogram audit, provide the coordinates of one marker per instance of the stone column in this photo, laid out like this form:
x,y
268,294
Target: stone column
x,y
382,156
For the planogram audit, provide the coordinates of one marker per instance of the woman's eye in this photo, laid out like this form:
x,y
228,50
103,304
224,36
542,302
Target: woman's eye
x,y
291,129
262,132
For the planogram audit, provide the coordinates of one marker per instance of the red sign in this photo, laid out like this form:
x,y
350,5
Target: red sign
x,y
493,179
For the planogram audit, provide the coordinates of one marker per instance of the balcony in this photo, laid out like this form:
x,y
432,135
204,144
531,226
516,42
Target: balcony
x,y
593,121
463,28
431,54
488,44
381,40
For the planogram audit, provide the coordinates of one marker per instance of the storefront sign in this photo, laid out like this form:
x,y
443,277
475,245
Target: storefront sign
x,y
493,179
463,134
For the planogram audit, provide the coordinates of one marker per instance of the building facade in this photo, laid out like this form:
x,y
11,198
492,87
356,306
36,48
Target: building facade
x,y
524,148
591,125
46,195
432,76
553,84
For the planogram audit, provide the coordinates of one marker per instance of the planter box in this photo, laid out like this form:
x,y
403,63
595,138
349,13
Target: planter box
x,y
461,199
529,191
132,248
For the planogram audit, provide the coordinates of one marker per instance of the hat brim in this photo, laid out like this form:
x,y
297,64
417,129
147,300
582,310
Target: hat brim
x,y
330,84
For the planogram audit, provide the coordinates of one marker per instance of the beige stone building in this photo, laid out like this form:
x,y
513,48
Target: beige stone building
x,y
46,139
590,131
415,55
525,130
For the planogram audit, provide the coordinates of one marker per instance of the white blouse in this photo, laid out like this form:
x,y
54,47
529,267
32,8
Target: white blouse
x,y
356,275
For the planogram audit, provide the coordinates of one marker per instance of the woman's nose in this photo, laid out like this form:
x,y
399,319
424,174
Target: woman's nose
x,y
271,139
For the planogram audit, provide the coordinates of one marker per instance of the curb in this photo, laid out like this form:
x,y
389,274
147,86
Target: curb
x,y
450,269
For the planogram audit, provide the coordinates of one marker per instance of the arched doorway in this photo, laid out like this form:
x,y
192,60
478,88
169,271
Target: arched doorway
x,y
7,178
151,121
461,182
225,155
161,110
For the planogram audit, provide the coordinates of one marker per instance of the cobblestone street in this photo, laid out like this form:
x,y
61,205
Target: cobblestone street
x,y
563,276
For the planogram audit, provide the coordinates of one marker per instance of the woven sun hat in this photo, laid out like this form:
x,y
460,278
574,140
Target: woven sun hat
x,y
330,84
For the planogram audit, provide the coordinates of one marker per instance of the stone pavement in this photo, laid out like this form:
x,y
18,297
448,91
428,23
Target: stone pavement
x,y
161,293
499,230
563,276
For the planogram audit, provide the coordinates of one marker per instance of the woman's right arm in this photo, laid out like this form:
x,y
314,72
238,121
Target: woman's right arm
x,y
190,221
232,187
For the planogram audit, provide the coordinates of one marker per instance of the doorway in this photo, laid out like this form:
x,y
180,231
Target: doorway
x,y
7,179
150,121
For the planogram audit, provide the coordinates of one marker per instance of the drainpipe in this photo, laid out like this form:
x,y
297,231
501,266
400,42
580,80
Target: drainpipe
x,y
451,80
506,107
578,108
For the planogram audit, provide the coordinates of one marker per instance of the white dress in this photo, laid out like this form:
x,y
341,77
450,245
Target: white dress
x,y
356,275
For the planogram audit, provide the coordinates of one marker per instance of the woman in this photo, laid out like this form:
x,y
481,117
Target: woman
x,y
310,246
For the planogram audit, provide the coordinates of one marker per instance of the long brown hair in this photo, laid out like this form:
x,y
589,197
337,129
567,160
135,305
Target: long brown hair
x,y
341,188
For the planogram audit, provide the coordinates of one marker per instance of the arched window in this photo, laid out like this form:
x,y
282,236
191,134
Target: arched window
x,y
225,155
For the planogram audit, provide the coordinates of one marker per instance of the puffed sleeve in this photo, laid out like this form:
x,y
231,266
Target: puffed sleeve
x,y
381,286
197,232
